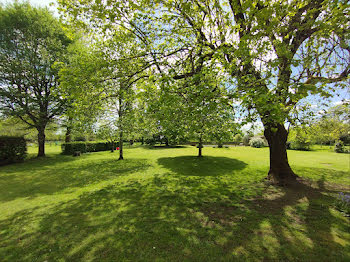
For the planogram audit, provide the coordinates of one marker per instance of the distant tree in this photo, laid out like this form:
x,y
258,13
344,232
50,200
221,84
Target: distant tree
x,y
196,108
32,41
332,126
238,139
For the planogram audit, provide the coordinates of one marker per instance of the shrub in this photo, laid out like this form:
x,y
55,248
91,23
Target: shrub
x,y
150,141
83,147
12,149
70,148
343,203
339,147
257,142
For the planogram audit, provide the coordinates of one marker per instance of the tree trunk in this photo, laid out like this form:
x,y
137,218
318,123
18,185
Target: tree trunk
x,y
200,147
112,149
41,141
142,141
280,171
68,135
121,157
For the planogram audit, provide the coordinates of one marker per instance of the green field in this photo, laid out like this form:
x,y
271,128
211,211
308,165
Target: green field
x,y
166,204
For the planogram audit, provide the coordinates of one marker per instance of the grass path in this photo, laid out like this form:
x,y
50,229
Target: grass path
x,y
168,205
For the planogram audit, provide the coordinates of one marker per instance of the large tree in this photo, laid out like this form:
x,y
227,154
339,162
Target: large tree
x,y
32,40
100,78
277,53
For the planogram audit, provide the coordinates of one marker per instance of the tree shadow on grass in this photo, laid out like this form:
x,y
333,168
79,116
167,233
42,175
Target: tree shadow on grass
x,y
201,166
34,181
162,219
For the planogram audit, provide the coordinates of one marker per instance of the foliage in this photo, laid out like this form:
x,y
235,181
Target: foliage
x,y
238,139
299,139
84,147
12,149
11,126
257,142
196,108
246,139
339,147
80,138
32,42
343,203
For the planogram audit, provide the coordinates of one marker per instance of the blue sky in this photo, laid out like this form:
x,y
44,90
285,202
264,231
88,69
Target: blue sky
x,y
342,94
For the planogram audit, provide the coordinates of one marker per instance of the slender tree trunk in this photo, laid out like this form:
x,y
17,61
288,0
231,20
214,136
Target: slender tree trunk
x,y
112,149
41,141
121,157
142,141
200,147
280,171
120,112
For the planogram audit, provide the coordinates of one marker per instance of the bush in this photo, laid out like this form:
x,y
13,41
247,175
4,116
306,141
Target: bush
x,y
339,147
257,142
71,147
150,141
12,149
83,147
343,203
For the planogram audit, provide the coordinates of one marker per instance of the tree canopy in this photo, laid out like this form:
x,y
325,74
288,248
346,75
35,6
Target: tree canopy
x,y
32,41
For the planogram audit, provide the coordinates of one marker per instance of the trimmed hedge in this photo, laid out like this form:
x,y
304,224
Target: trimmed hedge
x,y
83,147
12,149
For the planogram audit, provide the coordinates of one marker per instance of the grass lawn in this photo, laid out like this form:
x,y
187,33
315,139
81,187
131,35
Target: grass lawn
x,y
168,205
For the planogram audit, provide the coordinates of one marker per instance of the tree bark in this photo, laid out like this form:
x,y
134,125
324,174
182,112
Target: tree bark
x,y
112,149
41,141
280,171
121,157
200,146
68,134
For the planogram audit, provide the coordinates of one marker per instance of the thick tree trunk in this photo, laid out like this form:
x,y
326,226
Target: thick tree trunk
x,y
121,157
280,171
68,134
41,141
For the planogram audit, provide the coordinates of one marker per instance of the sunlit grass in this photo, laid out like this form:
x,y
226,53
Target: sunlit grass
x,y
168,205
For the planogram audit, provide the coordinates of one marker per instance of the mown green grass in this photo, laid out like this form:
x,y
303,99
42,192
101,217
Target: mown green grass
x,y
168,205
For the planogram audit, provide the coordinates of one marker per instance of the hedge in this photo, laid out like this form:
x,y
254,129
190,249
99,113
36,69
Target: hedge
x,y
83,147
12,149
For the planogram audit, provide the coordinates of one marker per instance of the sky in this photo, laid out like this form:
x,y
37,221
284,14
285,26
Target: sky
x,y
316,103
